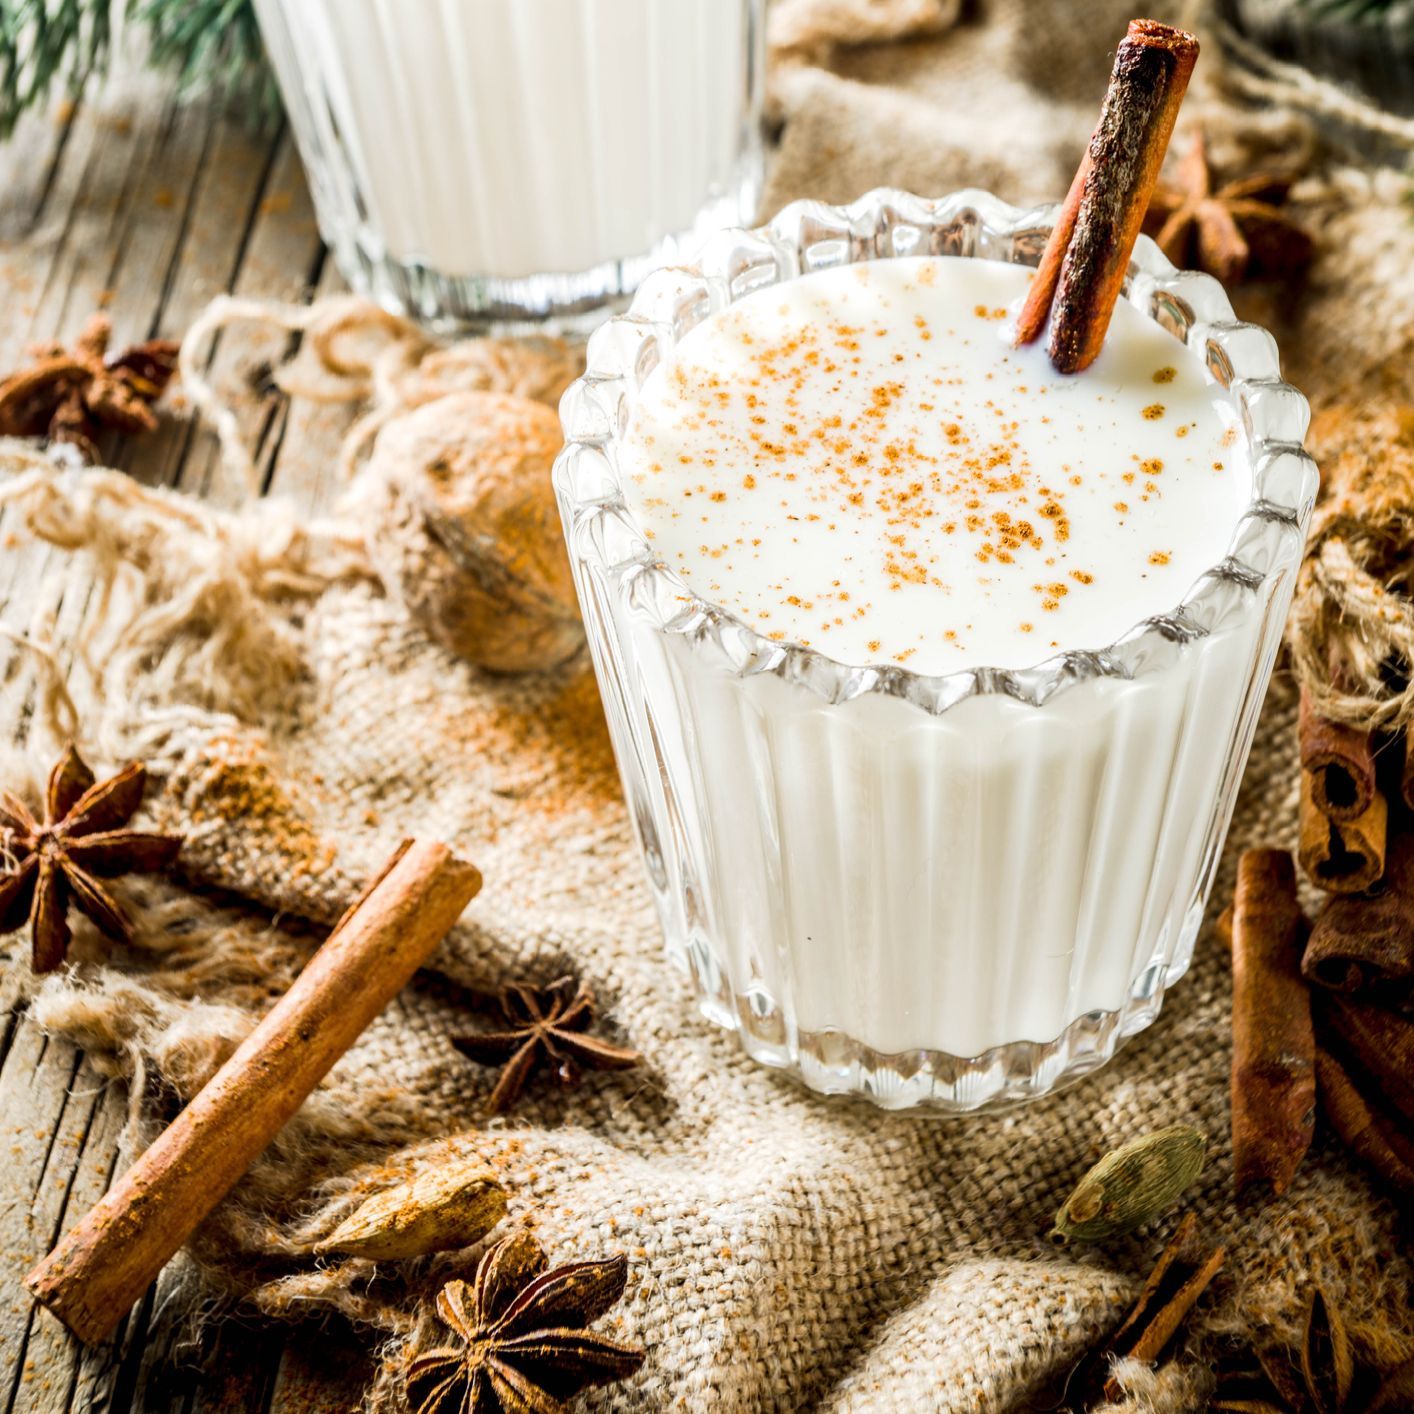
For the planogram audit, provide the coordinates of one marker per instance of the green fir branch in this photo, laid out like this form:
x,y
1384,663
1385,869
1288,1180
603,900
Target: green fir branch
x,y
1356,12
211,46
43,42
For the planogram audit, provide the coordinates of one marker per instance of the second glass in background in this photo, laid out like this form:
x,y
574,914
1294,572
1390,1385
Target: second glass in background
x,y
496,162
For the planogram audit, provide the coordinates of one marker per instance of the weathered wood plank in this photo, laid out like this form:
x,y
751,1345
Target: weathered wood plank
x,y
281,259
149,208
93,1372
160,205
238,176
28,163
87,204
301,456
324,1371
50,1357
244,1367
34,1097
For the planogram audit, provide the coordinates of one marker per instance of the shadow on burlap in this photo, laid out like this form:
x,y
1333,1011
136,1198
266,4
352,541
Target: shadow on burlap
x,y
787,1253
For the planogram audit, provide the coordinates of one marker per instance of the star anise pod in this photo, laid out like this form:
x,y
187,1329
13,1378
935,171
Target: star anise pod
x,y
543,1024
1234,229
525,1349
69,395
1323,1377
61,860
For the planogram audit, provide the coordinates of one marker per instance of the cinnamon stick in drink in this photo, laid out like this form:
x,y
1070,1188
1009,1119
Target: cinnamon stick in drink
x,y
1340,761
1273,1045
1083,267
1342,856
105,1263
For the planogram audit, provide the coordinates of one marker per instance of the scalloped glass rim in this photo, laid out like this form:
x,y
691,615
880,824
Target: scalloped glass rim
x,y
807,235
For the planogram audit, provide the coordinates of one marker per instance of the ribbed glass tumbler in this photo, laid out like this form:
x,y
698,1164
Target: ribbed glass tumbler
x,y
956,891
490,163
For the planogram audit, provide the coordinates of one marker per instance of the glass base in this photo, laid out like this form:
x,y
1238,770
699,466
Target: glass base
x,y
932,1082
567,304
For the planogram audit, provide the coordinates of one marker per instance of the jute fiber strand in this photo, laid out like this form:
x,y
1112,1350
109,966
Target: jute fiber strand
x,y
787,1253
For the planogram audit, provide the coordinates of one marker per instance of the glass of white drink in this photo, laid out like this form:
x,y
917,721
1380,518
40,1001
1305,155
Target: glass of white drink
x,y
931,671
493,162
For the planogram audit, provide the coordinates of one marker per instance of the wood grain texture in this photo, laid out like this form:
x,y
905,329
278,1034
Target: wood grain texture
x,y
128,200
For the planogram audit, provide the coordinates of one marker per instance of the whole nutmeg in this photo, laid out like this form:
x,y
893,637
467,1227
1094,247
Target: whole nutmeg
x,y
466,534
530,368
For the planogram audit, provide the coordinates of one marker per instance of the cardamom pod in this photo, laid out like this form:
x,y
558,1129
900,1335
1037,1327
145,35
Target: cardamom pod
x,y
1131,1185
451,1205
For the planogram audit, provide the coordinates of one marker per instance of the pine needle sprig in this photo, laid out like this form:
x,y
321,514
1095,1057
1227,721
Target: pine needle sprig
x,y
211,45
1349,9
43,42
1392,13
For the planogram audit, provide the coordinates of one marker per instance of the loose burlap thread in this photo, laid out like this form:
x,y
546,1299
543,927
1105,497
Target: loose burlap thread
x,y
1351,628
787,1253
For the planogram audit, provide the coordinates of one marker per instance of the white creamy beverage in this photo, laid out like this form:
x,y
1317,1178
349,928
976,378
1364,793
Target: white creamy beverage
x,y
860,461
509,138
931,671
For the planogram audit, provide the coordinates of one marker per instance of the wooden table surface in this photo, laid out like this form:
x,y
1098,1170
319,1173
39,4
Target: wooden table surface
x,y
131,202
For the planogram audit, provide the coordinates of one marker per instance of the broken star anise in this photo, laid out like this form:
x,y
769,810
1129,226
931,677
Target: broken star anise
x,y
1235,229
71,394
61,860
542,1024
526,1349
1323,1377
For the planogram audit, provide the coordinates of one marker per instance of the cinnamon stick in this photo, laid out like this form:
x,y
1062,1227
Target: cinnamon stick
x,y
1366,941
1376,1045
1179,1278
1340,761
1041,293
1086,259
1222,928
1342,856
1370,1135
105,1263
1273,1045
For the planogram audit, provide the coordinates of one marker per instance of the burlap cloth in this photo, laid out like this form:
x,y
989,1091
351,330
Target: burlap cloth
x,y
787,1253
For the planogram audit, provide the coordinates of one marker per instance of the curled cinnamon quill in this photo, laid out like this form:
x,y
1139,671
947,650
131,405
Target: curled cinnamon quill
x,y
1179,1278
1341,762
1342,856
1374,1137
1367,940
1376,1043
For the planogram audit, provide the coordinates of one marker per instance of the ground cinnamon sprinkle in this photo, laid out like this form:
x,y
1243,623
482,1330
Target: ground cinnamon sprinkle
x,y
854,459
240,784
910,446
545,750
